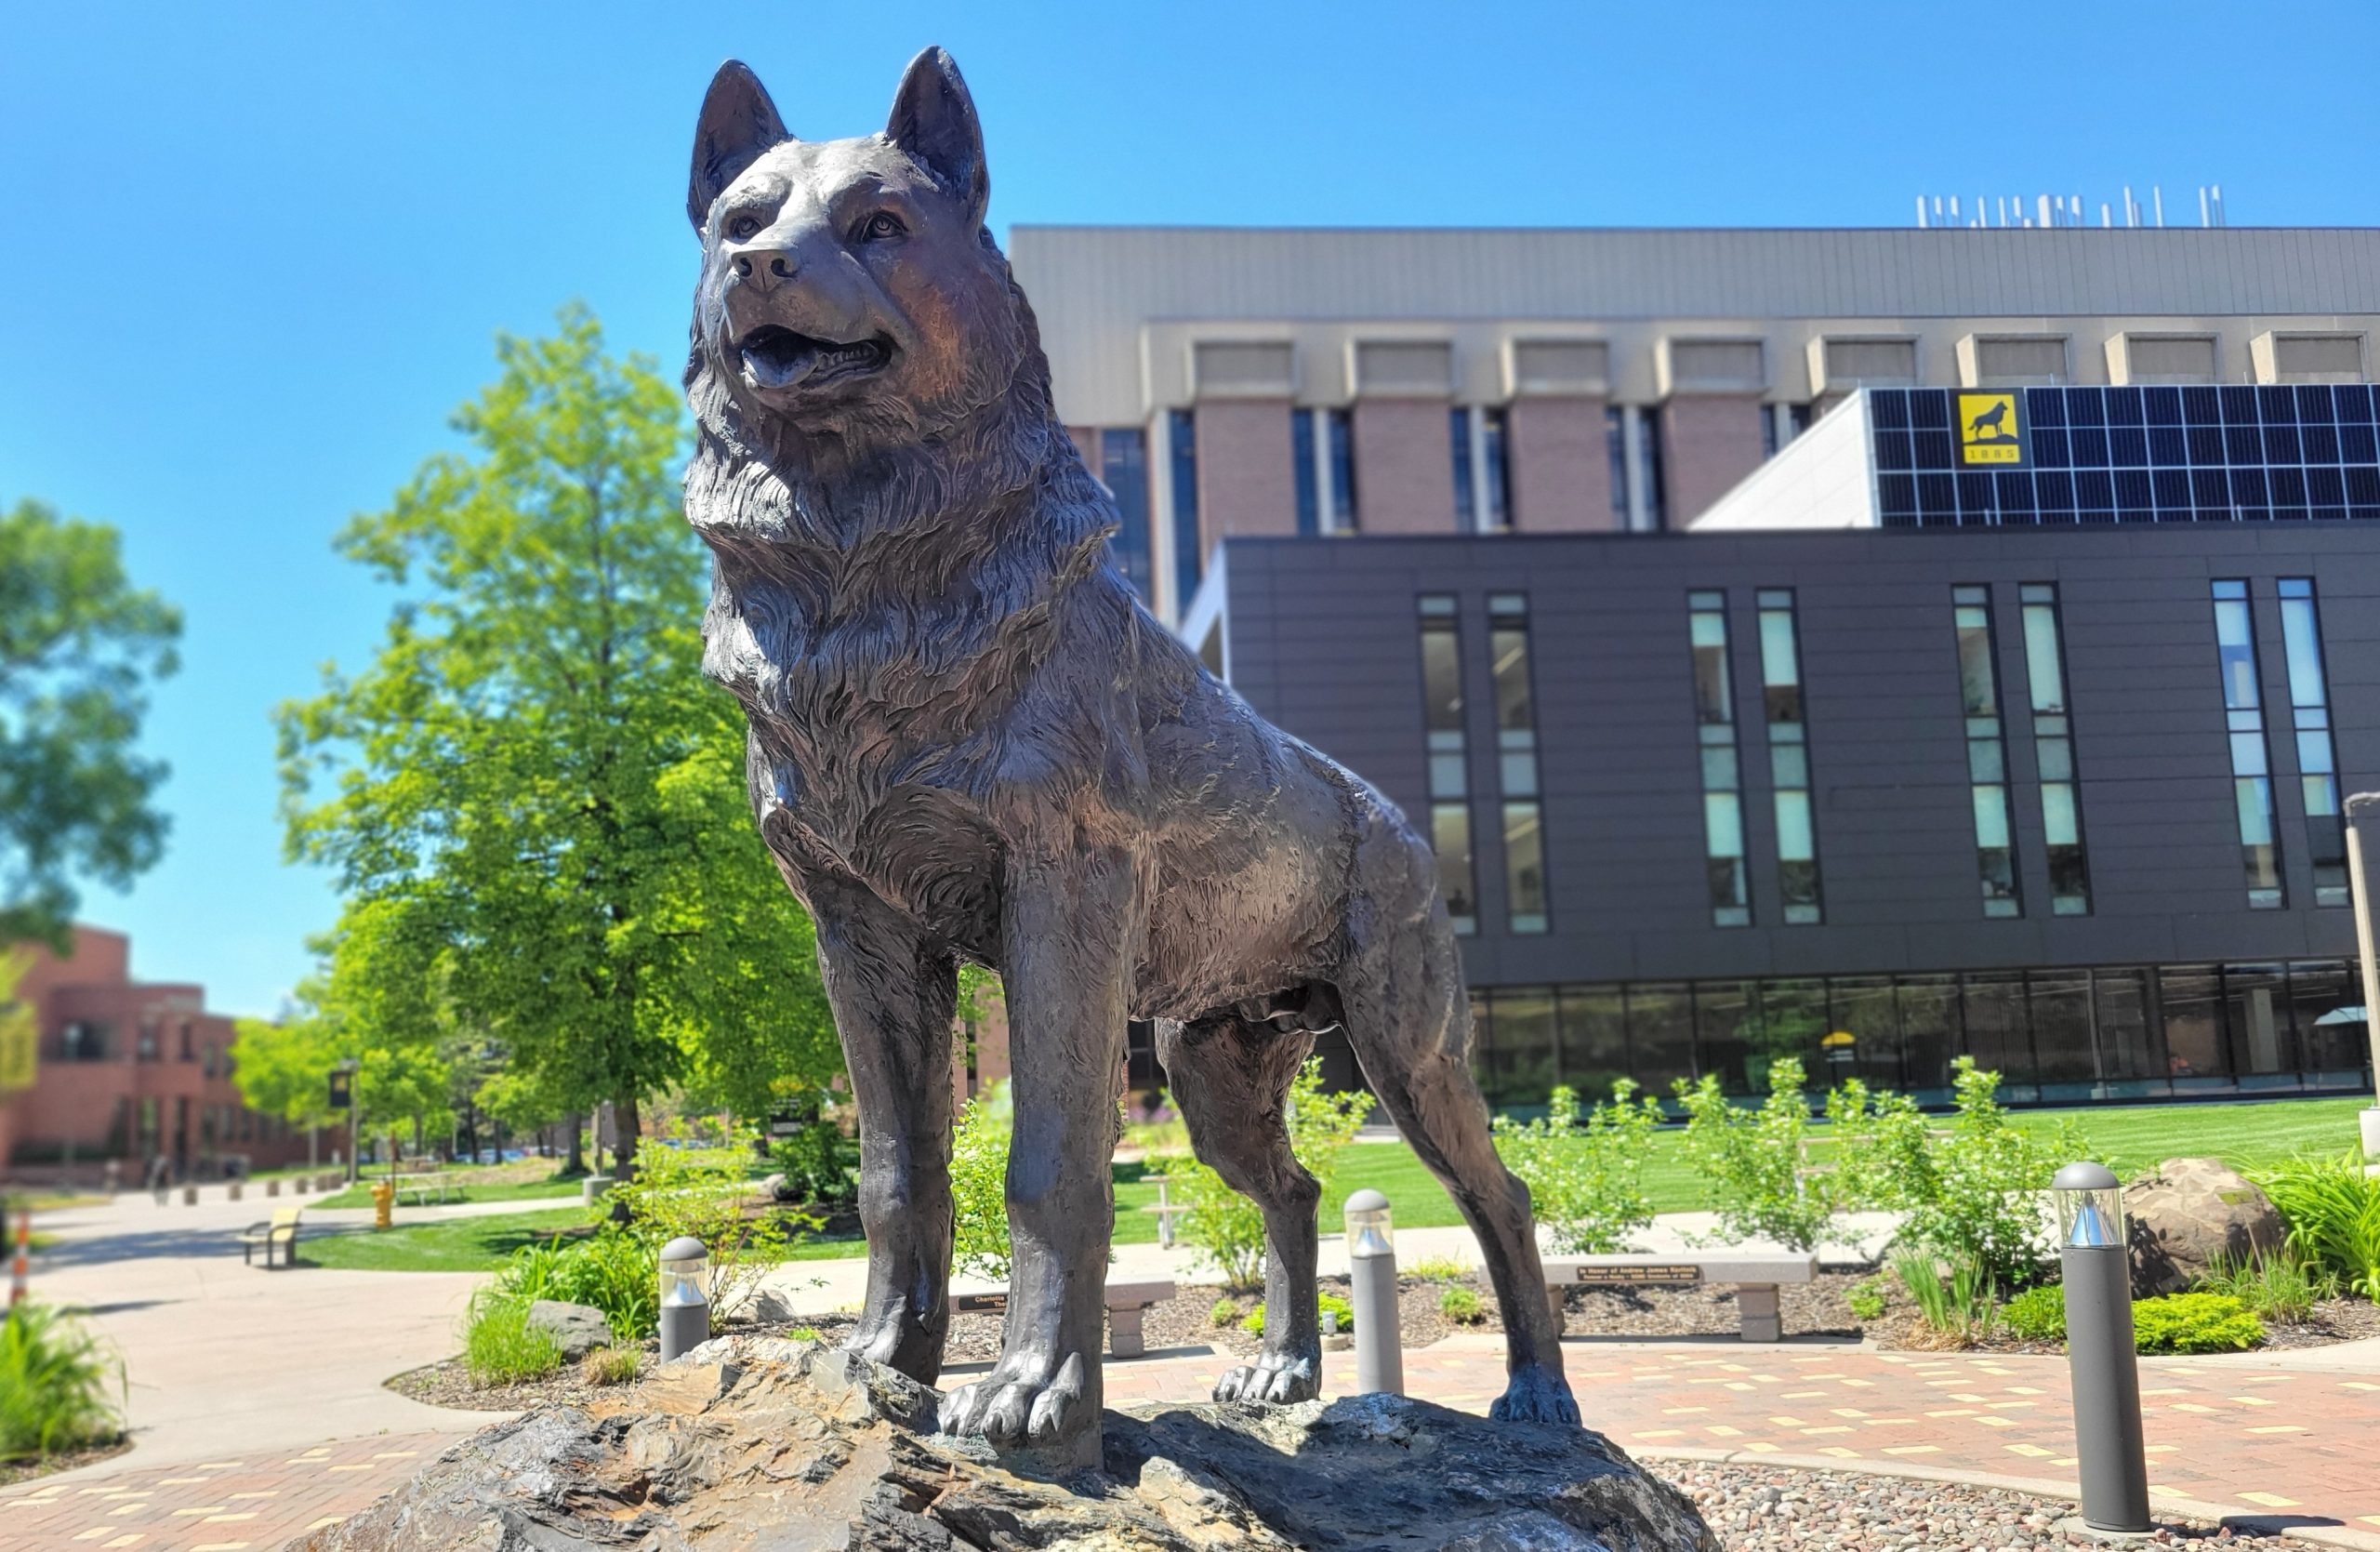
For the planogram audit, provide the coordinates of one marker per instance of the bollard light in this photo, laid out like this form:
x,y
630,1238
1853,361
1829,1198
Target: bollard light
x,y
2099,1351
1371,1282
685,1308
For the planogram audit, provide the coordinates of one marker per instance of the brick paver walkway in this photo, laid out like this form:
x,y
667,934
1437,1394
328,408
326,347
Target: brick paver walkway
x,y
216,1506
2298,1443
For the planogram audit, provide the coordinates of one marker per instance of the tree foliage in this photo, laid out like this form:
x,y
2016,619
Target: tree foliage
x,y
79,647
532,786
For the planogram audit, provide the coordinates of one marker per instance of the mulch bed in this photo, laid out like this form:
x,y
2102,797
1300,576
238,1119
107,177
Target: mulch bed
x,y
25,1470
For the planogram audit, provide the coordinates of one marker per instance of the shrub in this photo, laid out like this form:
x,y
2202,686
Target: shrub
x,y
1865,1298
1439,1269
1586,1182
705,1191
979,1184
2333,1211
500,1345
1324,1303
1459,1303
2037,1314
611,1270
820,1165
1962,1307
1225,1228
610,1366
54,1385
1224,1312
1973,1194
1753,1159
2280,1287
2194,1323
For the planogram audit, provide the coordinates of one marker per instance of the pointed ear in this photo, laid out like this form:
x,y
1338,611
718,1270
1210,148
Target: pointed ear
x,y
933,120
738,123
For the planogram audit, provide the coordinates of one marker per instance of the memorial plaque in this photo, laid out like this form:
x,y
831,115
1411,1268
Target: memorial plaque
x,y
1640,1277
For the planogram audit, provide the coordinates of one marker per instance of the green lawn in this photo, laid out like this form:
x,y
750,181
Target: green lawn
x,y
2247,1134
550,1188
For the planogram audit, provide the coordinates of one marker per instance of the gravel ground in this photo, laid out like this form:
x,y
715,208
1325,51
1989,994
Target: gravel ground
x,y
1759,1508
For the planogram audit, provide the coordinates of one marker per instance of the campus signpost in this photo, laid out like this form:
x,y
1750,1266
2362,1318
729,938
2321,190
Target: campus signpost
x,y
2361,895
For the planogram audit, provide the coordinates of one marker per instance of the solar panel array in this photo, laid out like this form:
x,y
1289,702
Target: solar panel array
x,y
2150,453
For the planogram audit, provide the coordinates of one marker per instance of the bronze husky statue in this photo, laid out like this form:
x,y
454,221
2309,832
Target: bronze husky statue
x,y
970,741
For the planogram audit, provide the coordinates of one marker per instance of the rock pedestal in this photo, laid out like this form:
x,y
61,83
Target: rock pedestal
x,y
758,1443
2185,1214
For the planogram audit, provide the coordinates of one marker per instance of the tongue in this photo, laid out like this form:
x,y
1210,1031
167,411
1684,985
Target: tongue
x,y
780,367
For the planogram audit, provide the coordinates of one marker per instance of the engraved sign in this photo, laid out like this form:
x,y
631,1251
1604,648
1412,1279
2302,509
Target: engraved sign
x,y
1639,1277
981,1303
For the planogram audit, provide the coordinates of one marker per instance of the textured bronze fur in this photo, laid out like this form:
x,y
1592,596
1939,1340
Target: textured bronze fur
x,y
970,741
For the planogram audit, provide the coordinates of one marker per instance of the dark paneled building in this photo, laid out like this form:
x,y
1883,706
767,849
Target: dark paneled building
x,y
2065,797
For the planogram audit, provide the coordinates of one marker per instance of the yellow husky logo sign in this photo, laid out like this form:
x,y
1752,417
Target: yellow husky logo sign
x,y
1991,430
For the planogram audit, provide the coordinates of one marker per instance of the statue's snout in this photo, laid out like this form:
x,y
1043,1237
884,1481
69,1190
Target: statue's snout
x,y
765,269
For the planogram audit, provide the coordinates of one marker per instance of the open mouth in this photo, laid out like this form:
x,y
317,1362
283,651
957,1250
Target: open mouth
x,y
779,358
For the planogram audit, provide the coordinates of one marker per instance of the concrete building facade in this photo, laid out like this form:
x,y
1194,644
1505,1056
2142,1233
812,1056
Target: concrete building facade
x,y
127,1071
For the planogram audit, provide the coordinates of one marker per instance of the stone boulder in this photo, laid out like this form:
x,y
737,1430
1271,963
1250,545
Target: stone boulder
x,y
751,1442
2186,1214
577,1329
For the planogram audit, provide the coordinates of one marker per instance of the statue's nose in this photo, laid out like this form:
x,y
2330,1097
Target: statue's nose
x,y
764,269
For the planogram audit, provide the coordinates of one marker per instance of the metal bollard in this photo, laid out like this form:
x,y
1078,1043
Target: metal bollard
x,y
1371,1277
2099,1352
685,1308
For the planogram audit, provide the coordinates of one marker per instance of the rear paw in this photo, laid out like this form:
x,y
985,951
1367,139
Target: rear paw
x,y
1010,1408
1536,1395
1273,1378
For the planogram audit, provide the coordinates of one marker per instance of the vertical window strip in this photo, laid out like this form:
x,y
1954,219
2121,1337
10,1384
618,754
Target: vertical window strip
x,y
1189,558
1442,722
1340,429
1123,468
1649,445
1615,447
1307,475
1525,890
1995,843
1466,510
2310,716
1714,717
2069,865
1789,756
2243,718
1496,471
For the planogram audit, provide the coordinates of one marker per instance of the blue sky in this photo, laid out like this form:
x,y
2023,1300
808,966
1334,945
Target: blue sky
x,y
252,256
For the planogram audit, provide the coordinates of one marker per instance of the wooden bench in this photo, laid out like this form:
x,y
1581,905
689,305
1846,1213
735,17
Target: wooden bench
x,y
281,1229
1166,1208
421,1184
1756,1278
1127,1303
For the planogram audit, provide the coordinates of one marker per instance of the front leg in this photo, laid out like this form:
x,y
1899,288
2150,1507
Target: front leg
x,y
894,996
1070,931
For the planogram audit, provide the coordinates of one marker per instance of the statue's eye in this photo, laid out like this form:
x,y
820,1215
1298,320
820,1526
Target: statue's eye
x,y
883,224
743,227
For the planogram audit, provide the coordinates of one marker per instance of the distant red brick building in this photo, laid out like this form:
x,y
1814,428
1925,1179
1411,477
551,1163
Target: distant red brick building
x,y
127,1071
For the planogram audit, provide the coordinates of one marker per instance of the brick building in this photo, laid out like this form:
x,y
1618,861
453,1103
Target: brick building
x,y
127,1071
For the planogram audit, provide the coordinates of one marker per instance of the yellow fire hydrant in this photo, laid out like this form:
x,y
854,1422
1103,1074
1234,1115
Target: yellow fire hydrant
x,y
384,1201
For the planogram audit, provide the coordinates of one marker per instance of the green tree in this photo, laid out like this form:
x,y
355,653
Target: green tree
x,y
79,647
534,771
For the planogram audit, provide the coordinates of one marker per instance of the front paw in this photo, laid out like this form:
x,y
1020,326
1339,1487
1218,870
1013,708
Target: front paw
x,y
1273,1378
1536,1395
1019,1403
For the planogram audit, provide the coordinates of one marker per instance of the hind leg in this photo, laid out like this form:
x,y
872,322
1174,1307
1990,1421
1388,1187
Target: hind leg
x,y
1230,1078
1408,1018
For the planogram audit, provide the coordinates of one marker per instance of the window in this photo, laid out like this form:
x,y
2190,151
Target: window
x,y
1341,435
1307,477
1124,468
1789,756
1442,722
2235,640
1525,895
2309,713
1496,468
1466,510
1181,435
145,1046
1714,718
189,1051
1995,846
2070,867
1615,447
83,1041
1649,456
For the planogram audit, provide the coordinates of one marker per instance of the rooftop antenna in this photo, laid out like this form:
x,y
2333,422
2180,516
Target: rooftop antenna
x,y
2042,206
2131,211
2203,219
2157,194
2107,217
1921,209
2220,219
